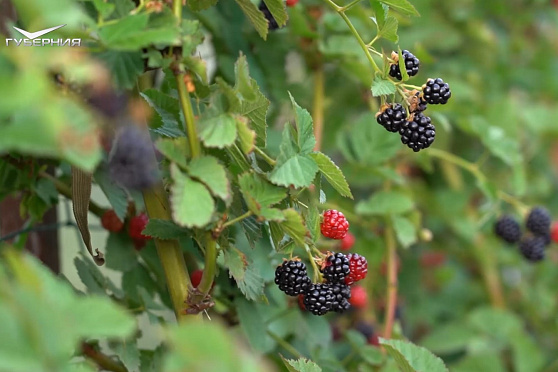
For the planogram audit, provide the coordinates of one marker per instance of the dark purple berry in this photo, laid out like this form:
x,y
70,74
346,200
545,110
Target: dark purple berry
x,y
418,133
435,91
292,278
319,298
538,221
508,229
336,268
392,117
532,248
412,64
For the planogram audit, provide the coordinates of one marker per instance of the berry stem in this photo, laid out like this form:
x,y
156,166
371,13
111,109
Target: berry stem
x,y
266,157
410,86
285,345
237,219
209,268
184,97
318,105
350,5
391,280
317,274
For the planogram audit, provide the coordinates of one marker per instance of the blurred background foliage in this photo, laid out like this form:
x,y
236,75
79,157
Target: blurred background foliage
x,y
463,294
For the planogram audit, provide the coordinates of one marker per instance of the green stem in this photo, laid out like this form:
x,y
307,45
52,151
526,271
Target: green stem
x,y
350,5
391,281
285,345
237,219
318,105
372,43
102,360
317,274
210,265
411,86
266,157
177,9
360,41
186,105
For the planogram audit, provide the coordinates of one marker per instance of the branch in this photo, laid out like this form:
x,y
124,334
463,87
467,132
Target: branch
x,y
102,360
186,105
391,281
318,106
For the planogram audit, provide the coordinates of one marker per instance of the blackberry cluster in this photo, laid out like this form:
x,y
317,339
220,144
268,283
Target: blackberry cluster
x,y
508,229
271,22
292,278
418,133
392,117
435,91
336,268
412,64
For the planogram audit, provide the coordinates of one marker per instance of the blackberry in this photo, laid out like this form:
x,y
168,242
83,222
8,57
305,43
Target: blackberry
x,y
366,329
508,229
342,294
336,267
271,22
392,117
418,133
319,298
291,277
538,221
334,224
532,248
411,65
435,91
358,268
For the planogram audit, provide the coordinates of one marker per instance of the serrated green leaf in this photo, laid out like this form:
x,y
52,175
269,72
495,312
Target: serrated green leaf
x,y
304,128
208,170
197,5
258,192
380,13
278,11
300,365
217,131
402,6
116,196
313,222
192,204
128,353
413,358
372,355
382,87
389,29
404,230
247,278
385,203
272,214
101,318
449,338
255,16
482,362
332,174
120,253
192,36
253,324
175,149
497,323
246,136
163,229
402,67
294,227
298,171
167,122
105,9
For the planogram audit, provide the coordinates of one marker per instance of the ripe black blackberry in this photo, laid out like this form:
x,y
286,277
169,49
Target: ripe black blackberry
x,y
412,64
341,295
508,229
319,298
538,221
336,267
392,117
532,248
271,22
435,91
418,133
292,278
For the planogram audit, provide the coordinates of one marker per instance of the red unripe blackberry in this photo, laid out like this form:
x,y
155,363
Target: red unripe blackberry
x,y
137,225
111,222
319,298
392,117
412,64
291,3
347,242
342,294
538,221
532,248
359,297
334,225
292,278
435,91
336,268
554,232
508,229
418,133
358,267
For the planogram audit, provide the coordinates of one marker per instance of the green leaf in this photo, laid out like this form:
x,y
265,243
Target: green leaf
x,y
300,365
163,229
483,362
332,173
128,353
217,131
413,358
389,30
208,170
448,339
385,203
124,66
372,355
382,87
116,196
380,12
174,149
527,355
294,227
244,273
272,214
120,253
497,323
197,5
104,9
402,6
278,11
97,317
192,36
402,67
192,204
258,192
404,230
167,122
304,128
298,171
253,324
255,16
246,136
497,141
313,222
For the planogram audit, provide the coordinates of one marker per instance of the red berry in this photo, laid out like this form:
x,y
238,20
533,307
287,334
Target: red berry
x,y
301,302
139,244
374,340
358,266
554,232
359,297
137,224
292,2
196,277
347,242
334,225
111,222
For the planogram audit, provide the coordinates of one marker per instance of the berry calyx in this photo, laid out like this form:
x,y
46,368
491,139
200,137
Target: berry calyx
x,y
292,278
336,268
418,133
554,232
137,225
435,91
412,64
347,242
358,268
508,229
319,298
532,248
392,117
416,102
538,221
342,294
111,222
359,297
291,3
334,225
